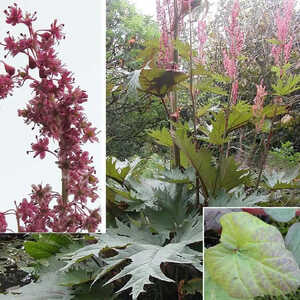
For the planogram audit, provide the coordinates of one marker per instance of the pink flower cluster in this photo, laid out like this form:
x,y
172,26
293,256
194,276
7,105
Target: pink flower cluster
x,y
37,215
283,50
236,39
258,105
56,109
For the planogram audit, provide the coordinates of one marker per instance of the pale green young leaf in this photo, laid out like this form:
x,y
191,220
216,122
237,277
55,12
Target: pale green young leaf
x,y
259,253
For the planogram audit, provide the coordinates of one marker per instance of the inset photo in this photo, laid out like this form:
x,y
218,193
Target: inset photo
x,y
52,115
52,266
252,253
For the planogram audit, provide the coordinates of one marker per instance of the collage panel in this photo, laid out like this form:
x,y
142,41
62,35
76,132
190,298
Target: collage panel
x,y
252,253
40,266
53,109
202,110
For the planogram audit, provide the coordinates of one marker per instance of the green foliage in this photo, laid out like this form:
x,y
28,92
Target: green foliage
x,y
213,178
208,86
128,117
162,234
114,173
52,282
46,245
162,137
237,198
285,154
286,83
281,179
183,49
239,116
251,249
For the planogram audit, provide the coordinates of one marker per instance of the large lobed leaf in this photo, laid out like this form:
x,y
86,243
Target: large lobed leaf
x,y
159,82
143,252
251,259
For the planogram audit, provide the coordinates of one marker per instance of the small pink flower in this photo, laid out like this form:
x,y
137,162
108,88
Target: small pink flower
x,y
6,85
3,224
40,148
14,15
56,31
9,69
90,135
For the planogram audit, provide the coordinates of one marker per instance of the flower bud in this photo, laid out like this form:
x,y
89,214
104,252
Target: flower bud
x,y
31,63
9,69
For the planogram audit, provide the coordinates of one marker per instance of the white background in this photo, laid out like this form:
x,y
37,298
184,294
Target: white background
x,y
83,53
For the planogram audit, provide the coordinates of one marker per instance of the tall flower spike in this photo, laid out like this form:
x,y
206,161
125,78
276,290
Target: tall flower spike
x,y
283,20
236,41
166,18
202,37
257,107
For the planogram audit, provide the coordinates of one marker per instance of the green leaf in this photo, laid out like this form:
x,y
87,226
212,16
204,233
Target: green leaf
x,y
274,41
203,110
284,179
292,241
213,291
183,49
151,49
251,259
236,199
200,70
118,174
193,286
208,86
145,262
47,287
46,245
40,250
239,115
162,137
96,291
220,78
230,175
201,160
177,176
216,136
286,85
226,177
281,214
271,110
171,206
159,82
